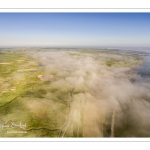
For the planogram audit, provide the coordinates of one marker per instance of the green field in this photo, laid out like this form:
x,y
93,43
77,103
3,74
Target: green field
x,y
54,93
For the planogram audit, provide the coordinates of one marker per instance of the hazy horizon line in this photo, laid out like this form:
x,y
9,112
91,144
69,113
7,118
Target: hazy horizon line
x,y
79,47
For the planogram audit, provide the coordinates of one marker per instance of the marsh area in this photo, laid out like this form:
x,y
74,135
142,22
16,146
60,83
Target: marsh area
x,y
74,93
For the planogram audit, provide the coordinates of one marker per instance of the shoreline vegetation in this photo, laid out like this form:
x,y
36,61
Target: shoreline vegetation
x,y
71,93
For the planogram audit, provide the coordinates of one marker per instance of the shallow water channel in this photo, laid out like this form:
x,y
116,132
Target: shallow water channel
x,y
144,70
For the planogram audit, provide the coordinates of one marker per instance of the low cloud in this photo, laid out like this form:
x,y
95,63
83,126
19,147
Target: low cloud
x,y
100,90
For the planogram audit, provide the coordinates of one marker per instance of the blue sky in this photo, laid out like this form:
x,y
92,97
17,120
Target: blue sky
x,y
75,29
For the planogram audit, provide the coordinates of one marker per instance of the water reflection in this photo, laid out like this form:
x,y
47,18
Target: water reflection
x,y
144,71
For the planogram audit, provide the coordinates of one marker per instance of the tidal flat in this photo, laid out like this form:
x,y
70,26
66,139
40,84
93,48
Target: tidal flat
x,y
73,93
